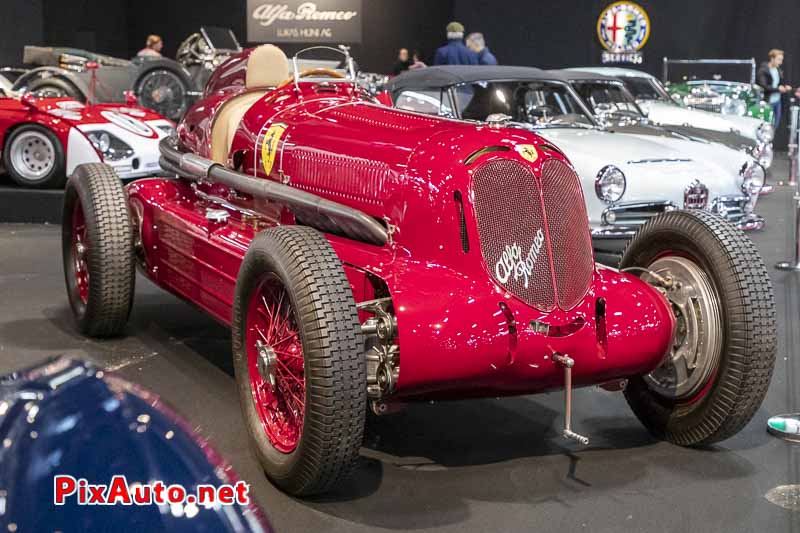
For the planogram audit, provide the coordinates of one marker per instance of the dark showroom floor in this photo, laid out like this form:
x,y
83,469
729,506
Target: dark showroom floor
x,y
490,465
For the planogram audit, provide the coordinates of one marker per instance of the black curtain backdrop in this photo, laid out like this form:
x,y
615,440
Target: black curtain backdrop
x,y
563,33
541,33
526,32
119,27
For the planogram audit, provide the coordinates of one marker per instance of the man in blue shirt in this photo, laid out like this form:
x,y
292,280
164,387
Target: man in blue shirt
x,y
477,44
454,52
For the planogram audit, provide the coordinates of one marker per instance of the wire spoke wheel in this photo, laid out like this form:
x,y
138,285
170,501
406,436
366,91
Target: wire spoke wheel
x,y
33,155
80,253
96,246
163,91
275,363
298,357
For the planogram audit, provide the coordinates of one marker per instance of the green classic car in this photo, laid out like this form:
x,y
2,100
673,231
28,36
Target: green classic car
x,y
711,91
719,96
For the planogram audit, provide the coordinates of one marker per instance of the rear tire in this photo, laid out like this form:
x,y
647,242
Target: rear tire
x,y
99,266
297,349
713,402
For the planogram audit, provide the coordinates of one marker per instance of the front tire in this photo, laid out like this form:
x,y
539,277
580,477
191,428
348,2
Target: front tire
x,y
720,365
34,157
99,266
297,347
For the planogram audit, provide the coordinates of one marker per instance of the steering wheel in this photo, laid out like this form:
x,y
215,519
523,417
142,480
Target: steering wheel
x,y
330,73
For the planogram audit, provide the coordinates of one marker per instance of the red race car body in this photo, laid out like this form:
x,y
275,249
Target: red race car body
x,y
364,253
467,314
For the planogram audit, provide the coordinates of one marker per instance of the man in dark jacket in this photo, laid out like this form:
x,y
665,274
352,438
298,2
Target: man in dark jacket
x,y
477,44
770,78
454,52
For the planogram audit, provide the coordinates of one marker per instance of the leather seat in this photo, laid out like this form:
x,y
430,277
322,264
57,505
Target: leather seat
x,y
267,66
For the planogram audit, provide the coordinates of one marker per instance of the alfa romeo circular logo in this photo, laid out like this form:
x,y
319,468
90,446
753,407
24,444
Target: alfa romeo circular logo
x,y
623,27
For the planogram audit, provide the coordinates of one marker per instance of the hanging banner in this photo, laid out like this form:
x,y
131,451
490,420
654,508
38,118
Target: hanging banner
x,y
300,21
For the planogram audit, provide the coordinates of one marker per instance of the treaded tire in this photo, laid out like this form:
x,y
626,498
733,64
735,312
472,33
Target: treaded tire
x,y
97,190
741,281
54,179
334,367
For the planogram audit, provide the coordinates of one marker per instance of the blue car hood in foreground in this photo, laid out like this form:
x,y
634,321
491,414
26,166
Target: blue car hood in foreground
x,y
68,417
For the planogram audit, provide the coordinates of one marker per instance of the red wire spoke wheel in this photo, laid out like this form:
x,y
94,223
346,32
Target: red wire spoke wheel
x,y
96,237
80,251
298,356
275,364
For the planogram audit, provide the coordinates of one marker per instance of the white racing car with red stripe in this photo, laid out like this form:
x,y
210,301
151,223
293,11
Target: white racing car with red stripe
x,y
44,139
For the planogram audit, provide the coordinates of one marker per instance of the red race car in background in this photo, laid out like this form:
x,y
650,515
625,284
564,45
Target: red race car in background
x,y
44,139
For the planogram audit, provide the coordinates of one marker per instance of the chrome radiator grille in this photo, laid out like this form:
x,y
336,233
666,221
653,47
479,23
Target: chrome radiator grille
x,y
533,232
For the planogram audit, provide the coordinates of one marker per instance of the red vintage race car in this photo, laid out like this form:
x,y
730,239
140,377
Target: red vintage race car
x,y
45,139
367,255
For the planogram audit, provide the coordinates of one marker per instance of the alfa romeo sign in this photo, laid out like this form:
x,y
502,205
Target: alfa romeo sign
x,y
623,29
300,21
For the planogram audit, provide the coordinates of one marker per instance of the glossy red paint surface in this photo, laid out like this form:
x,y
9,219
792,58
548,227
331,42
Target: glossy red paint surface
x,y
461,333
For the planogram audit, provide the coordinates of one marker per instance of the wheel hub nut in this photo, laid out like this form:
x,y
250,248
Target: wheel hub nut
x,y
266,363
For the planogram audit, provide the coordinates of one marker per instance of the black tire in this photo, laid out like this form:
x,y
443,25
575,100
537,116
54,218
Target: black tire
x,y
305,265
54,87
17,170
96,190
731,396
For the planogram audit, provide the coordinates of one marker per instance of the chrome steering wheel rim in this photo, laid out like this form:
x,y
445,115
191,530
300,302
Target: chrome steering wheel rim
x,y
33,155
696,349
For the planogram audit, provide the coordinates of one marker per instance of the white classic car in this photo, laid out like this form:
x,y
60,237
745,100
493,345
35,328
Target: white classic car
x,y
615,107
661,108
626,178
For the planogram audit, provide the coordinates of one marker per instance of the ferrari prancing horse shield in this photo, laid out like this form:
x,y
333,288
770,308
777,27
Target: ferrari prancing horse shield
x,y
269,147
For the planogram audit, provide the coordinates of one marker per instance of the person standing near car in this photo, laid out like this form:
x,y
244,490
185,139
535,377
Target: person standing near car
x,y
454,52
770,78
477,44
152,47
403,62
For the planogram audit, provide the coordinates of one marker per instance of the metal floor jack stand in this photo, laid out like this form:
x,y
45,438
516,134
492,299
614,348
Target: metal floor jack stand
x,y
794,264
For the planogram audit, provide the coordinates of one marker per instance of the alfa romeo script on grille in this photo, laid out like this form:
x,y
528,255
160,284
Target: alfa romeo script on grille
x,y
512,263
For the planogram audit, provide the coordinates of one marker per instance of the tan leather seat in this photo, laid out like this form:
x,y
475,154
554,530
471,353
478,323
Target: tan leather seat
x,y
267,66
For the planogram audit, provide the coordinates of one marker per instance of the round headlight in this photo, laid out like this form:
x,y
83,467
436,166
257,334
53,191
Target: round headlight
x,y
753,177
609,185
733,106
765,132
101,140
